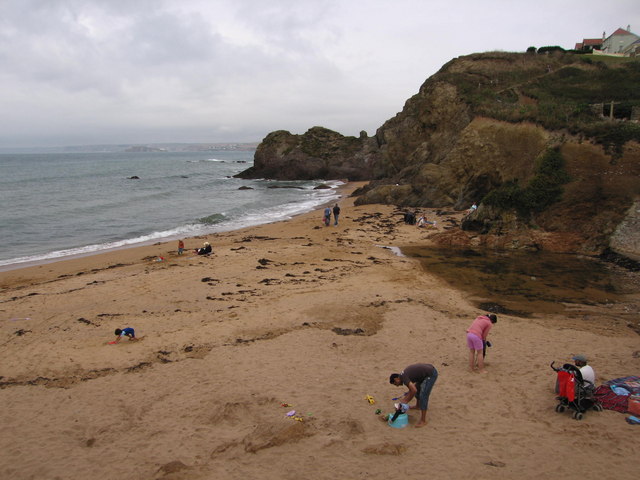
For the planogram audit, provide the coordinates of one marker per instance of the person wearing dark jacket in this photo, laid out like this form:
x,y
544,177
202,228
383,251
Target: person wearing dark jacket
x,y
205,250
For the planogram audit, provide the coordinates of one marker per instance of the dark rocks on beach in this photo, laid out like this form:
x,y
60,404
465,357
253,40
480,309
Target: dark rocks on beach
x,y
135,177
172,467
347,331
612,257
495,463
322,186
244,187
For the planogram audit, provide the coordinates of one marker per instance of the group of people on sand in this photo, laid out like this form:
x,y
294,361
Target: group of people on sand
x,y
326,217
419,220
420,378
206,248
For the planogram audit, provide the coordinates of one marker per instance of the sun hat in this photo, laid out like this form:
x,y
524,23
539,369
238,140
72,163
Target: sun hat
x,y
580,358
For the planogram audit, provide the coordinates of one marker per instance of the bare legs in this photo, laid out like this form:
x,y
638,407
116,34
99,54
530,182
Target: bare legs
x,y
423,419
476,356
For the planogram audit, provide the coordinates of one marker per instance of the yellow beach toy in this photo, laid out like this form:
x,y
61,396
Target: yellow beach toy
x,y
370,399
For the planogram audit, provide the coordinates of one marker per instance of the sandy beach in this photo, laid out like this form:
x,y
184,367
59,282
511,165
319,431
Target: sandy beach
x,y
293,313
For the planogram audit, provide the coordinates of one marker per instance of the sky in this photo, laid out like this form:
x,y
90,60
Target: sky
x,y
87,72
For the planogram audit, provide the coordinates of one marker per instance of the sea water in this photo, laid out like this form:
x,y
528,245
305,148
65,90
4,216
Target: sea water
x,y
56,205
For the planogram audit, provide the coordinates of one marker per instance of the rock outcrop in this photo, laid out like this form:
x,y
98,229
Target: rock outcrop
x,y
481,123
319,153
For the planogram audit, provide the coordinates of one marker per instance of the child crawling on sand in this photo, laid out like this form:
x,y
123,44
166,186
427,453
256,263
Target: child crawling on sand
x,y
125,332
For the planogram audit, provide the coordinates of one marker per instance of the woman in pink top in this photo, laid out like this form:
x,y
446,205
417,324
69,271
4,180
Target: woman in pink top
x,y
476,338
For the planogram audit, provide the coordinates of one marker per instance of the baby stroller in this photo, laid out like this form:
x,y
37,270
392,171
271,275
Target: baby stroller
x,y
574,393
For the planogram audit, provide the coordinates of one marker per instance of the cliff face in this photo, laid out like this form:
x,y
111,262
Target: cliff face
x,y
483,122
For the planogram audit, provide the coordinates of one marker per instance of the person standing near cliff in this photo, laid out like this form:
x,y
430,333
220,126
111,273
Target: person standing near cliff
x,y
336,213
477,340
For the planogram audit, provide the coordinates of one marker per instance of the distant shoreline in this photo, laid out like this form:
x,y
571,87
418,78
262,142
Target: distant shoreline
x,y
136,148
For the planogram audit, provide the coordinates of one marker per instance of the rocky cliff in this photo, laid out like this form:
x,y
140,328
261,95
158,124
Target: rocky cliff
x,y
319,153
479,131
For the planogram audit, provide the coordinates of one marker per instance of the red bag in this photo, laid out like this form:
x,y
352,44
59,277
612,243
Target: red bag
x,y
634,404
566,385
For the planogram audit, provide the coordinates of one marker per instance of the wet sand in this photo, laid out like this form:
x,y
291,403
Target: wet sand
x,y
299,314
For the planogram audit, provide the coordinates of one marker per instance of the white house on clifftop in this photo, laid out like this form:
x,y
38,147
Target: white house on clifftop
x,y
622,42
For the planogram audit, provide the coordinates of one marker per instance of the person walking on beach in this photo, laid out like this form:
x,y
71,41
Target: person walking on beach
x,y
180,247
336,213
125,332
419,378
477,340
327,216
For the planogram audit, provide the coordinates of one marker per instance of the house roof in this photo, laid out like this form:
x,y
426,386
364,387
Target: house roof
x,y
588,42
621,31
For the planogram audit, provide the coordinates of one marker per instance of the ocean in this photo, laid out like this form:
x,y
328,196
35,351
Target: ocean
x,y
57,205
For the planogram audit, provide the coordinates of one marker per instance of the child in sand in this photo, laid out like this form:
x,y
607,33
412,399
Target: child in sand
x,y
125,332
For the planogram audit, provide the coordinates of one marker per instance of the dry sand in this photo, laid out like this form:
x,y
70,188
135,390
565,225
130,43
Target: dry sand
x,y
291,313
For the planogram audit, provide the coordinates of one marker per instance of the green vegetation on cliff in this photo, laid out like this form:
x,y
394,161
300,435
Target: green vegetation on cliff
x,y
558,91
540,192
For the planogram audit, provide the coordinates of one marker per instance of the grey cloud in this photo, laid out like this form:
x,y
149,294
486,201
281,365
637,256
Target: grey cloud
x,y
100,71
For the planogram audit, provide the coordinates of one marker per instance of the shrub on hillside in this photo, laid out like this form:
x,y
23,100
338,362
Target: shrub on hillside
x,y
551,49
543,190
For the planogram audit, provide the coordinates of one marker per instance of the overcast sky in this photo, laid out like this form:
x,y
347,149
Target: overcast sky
x,y
80,72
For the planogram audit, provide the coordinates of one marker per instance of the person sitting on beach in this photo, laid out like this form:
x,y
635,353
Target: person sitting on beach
x,y
419,378
423,222
205,250
587,372
477,340
472,209
125,332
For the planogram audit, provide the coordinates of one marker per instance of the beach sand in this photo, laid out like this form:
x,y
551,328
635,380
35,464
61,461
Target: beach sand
x,y
298,314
